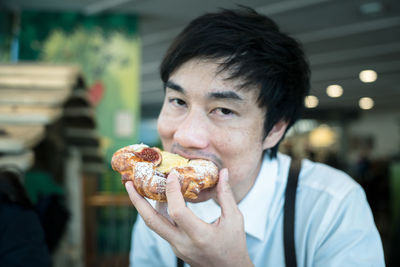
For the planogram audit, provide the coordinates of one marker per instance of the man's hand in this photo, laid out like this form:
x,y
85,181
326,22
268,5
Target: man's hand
x,y
222,243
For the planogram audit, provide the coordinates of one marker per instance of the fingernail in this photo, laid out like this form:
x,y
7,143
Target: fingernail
x,y
128,184
171,177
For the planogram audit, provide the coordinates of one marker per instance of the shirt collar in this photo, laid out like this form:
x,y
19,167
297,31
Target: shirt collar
x,y
254,207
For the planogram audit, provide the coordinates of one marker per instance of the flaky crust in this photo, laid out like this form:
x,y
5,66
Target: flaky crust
x,y
194,176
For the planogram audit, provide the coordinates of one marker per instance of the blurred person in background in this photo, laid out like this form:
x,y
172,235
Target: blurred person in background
x,y
234,84
22,239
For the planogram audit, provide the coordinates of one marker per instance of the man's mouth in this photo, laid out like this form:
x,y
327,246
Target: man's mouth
x,y
196,154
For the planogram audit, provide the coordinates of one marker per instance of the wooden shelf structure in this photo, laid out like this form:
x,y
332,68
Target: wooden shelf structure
x,y
45,101
31,98
39,102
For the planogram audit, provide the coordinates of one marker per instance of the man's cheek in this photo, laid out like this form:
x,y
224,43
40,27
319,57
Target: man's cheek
x,y
164,128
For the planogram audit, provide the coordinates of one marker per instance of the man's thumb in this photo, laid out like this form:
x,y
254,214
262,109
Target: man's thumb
x,y
224,194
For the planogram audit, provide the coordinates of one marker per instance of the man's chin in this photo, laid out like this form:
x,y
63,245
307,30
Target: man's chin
x,y
204,195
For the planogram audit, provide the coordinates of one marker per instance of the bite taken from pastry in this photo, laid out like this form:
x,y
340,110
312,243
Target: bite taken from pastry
x,y
148,169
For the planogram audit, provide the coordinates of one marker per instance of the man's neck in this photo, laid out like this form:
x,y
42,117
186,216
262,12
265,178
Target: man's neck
x,y
242,189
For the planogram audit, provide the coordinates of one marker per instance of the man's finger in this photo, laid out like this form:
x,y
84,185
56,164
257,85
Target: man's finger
x,y
173,191
179,213
152,218
225,195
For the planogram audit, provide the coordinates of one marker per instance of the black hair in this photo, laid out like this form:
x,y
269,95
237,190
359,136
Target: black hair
x,y
252,48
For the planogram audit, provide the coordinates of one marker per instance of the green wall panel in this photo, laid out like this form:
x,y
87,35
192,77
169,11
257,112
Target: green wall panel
x,y
108,50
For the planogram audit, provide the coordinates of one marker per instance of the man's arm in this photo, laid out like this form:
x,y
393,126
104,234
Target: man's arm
x,y
222,243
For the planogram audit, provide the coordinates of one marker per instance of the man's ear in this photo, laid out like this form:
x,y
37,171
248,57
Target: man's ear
x,y
275,134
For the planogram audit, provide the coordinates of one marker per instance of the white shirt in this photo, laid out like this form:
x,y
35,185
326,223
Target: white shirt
x,y
333,225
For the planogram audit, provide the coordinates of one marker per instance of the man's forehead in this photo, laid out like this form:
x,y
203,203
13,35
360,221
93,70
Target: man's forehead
x,y
210,76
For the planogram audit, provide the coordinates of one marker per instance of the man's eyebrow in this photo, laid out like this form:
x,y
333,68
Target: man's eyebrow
x,y
225,95
213,95
173,86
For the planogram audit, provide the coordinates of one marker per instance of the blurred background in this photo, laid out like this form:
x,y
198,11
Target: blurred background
x,y
79,79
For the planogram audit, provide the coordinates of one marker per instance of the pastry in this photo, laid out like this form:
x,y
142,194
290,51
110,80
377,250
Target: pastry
x,y
149,167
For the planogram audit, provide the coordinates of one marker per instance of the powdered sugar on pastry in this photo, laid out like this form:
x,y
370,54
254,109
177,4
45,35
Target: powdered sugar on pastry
x,y
137,147
203,168
144,170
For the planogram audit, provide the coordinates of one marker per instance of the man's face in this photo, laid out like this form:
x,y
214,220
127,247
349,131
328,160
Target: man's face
x,y
206,116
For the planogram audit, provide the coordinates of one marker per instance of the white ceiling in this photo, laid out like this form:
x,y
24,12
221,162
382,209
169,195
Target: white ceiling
x,y
341,38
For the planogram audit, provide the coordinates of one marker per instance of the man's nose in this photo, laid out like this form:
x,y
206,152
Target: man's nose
x,y
192,131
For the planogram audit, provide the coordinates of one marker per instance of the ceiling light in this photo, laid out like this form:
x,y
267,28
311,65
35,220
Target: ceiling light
x,y
366,103
334,90
368,76
311,101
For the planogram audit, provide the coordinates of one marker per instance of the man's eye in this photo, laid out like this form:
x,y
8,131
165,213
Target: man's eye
x,y
224,111
177,102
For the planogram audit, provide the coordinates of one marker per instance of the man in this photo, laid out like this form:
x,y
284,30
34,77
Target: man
x,y
234,84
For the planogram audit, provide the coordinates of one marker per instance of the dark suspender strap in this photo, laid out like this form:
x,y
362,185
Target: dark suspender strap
x,y
179,262
289,213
